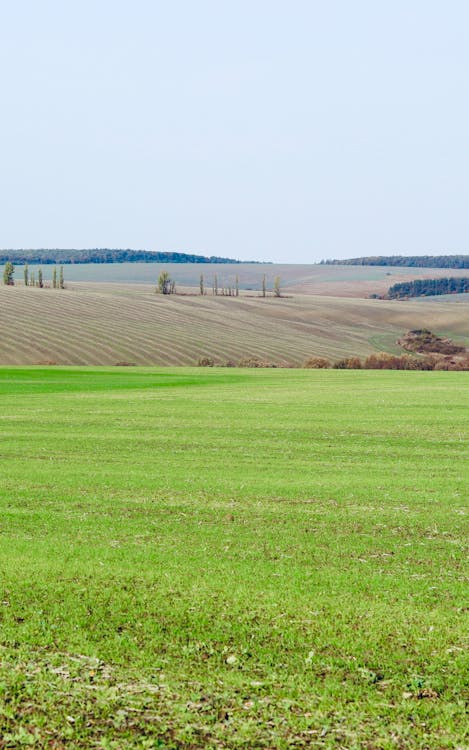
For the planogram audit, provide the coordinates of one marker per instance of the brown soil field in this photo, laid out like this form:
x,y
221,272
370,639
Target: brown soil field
x,y
110,323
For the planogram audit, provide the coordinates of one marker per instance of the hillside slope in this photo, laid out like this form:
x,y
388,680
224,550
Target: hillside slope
x,y
330,281
107,324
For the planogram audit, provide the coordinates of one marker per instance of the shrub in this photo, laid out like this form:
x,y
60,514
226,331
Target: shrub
x,y
384,361
254,362
348,363
166,285
426,363
316,363
462,364
206,362
422,340
451,364
443,364
408,362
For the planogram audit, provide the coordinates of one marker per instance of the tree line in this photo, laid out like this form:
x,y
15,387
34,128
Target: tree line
x,y
30,279
105,255
167,285
419,261
428,287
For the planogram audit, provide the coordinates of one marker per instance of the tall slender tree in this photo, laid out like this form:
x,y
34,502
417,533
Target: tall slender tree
x,y
54,278
40,280
26,274
61,278
263,286
8,272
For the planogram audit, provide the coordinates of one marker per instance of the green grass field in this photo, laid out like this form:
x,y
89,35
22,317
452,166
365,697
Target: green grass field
x,y
233,559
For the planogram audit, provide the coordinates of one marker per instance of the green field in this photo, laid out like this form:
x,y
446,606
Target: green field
x,y
233,559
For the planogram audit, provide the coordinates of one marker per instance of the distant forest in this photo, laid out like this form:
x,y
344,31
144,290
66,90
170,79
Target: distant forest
x,y
420,261
428,287
105,255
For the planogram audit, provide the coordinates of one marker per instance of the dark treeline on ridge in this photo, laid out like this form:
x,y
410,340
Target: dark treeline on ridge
x,y
428,287
420,261
105,255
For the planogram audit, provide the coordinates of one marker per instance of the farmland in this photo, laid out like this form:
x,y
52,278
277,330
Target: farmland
x,y
105,323
332,281
233,558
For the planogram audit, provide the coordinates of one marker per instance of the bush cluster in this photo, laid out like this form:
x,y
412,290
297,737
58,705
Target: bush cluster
x,y
316,363
348,363
206,361
384,361
378,361
255,362
424,341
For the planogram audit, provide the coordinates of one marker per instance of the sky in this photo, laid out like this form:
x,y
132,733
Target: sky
x,y
254,129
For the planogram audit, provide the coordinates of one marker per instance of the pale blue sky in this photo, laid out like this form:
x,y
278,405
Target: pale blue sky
x,y
288,131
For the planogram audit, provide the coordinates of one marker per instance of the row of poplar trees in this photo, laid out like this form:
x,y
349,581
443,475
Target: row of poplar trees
x,y
30,277
233,291
166,285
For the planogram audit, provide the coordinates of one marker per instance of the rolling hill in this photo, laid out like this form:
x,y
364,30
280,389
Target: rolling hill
x,y
329,280
106,324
